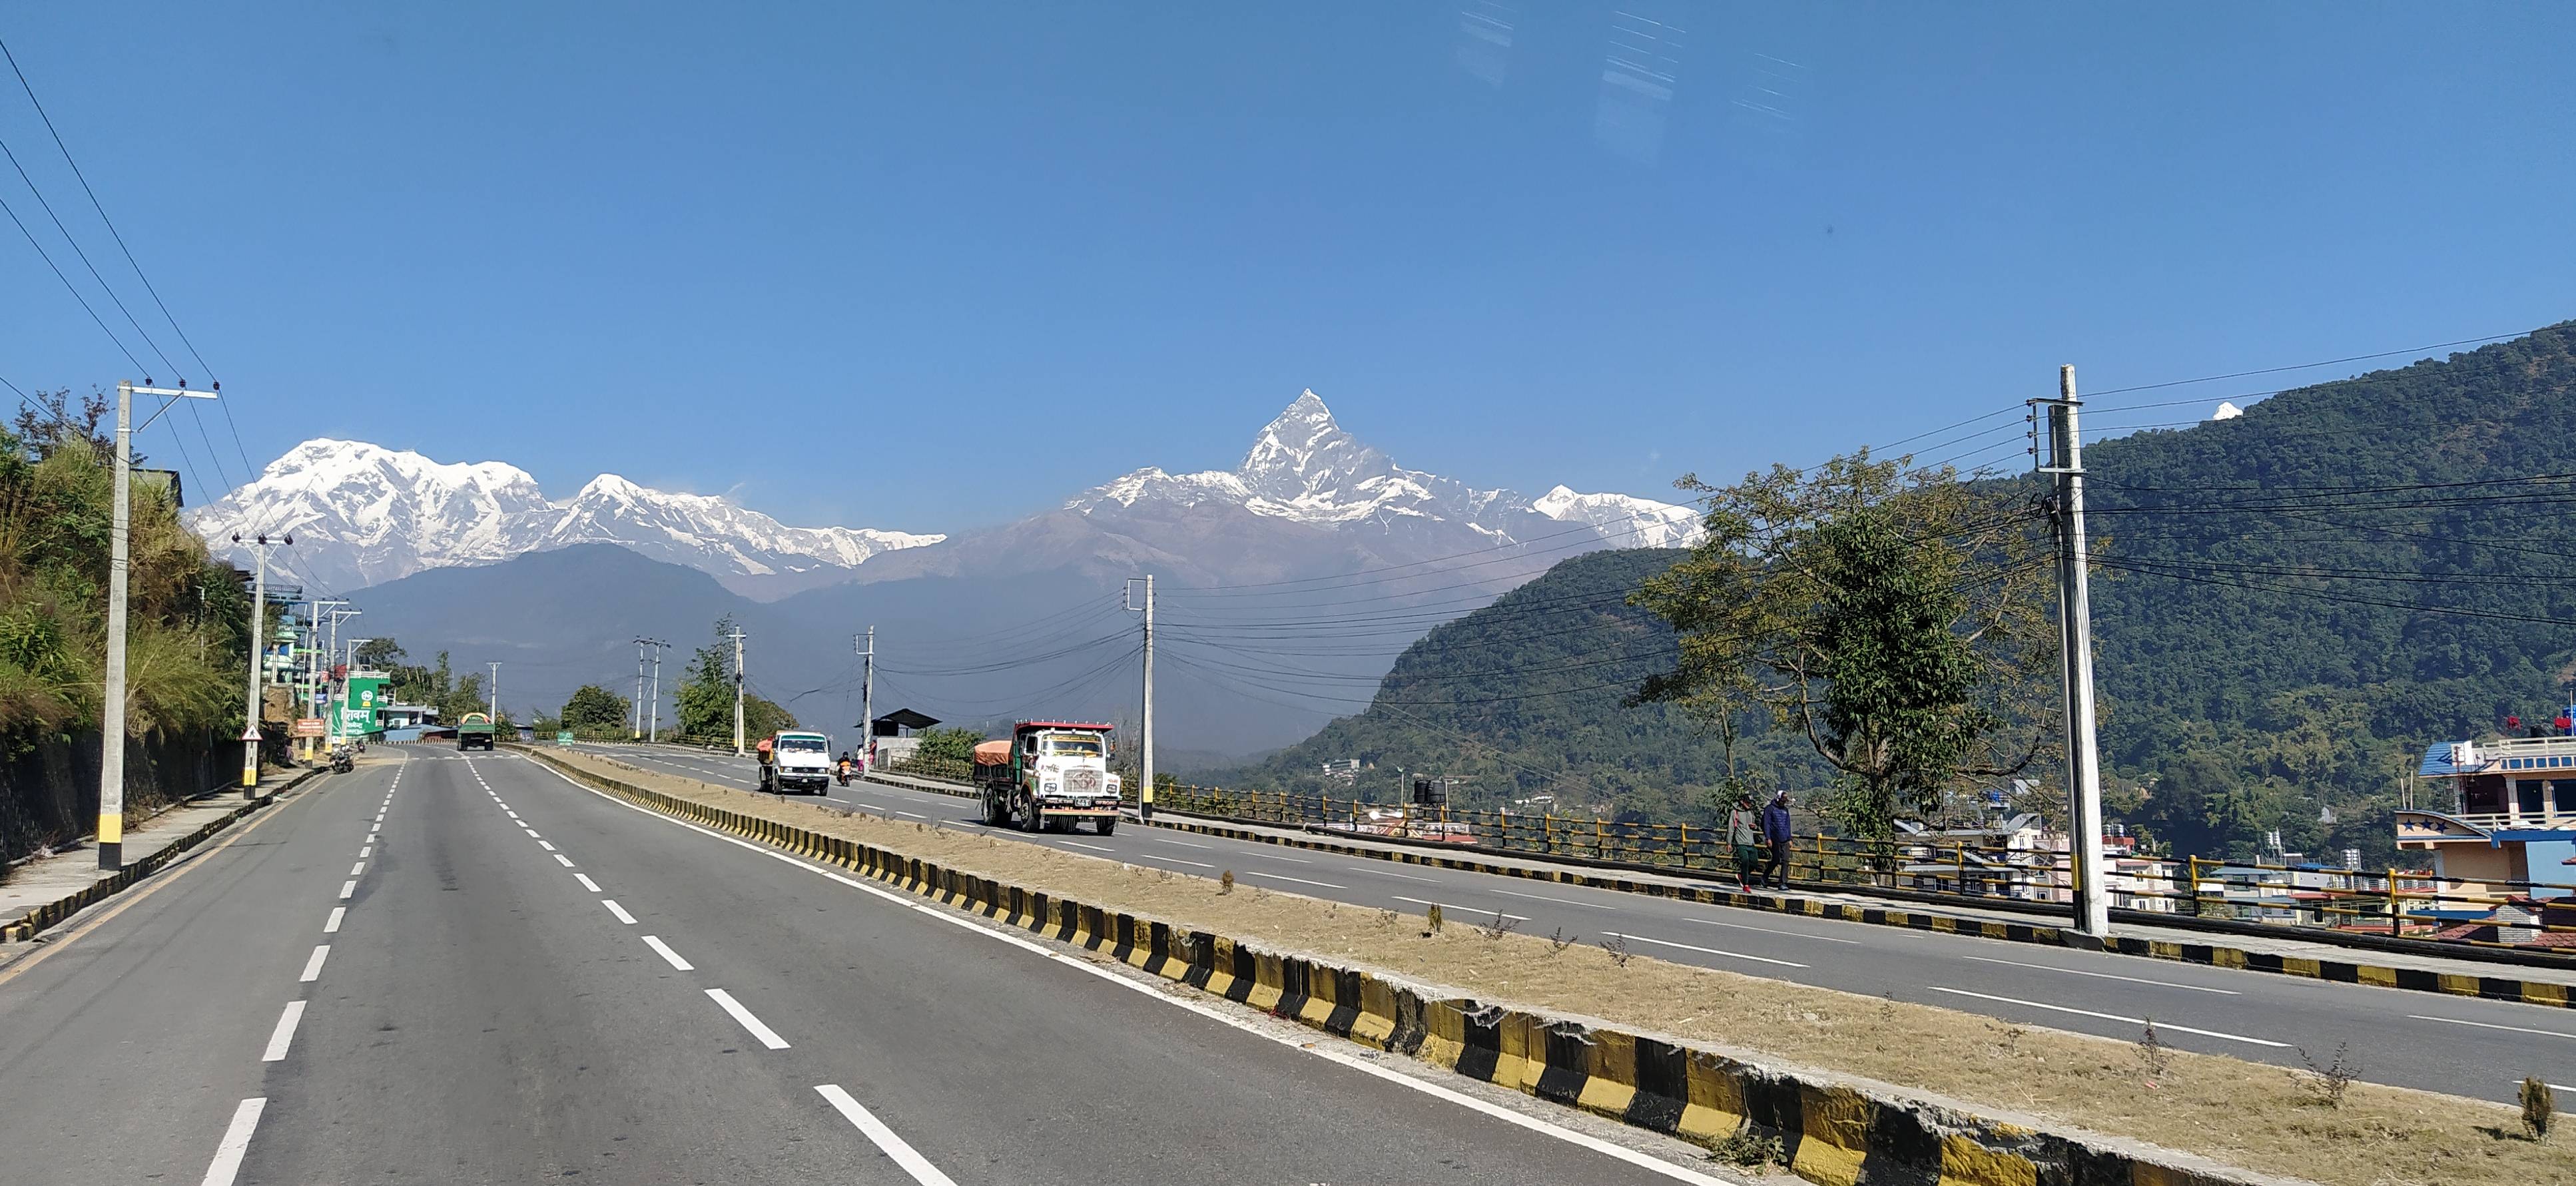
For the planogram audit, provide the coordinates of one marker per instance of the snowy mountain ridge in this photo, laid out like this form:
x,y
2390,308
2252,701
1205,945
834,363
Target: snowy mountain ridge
x,y
365,514
1305,467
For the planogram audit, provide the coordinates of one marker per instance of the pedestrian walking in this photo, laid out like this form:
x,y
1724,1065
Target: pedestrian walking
x,y
1743,838
1775,830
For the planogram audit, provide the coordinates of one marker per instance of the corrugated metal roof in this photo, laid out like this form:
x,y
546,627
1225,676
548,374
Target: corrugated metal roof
x,y
2437,762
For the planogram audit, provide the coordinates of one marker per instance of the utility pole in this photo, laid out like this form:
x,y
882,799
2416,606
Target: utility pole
x,y
318,660
496,692
250,707
1145,733
2064,457
867,700
653,721
635,723
737,692
111,742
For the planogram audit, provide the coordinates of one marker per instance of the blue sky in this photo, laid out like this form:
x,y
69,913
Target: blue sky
x,y
1021,248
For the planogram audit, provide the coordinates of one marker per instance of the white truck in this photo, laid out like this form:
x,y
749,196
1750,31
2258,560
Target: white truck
x,y
1047,776
798,761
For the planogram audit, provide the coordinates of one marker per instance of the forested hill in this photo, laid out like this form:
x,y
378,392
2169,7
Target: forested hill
x,y
2296,601
1523,698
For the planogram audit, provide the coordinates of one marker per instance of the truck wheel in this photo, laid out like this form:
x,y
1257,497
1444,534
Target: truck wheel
x,y
1108,827
996,812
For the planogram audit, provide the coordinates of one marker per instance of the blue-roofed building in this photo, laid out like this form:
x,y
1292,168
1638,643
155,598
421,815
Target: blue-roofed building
x,y
2497,817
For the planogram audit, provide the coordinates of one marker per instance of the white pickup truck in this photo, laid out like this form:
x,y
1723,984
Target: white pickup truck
x,y
799,762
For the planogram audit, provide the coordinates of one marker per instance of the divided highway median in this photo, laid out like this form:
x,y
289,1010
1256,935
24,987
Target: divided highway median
x,y
1853,1088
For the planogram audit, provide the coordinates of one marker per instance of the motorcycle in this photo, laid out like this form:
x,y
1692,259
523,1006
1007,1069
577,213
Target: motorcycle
x,y
845,772
341,761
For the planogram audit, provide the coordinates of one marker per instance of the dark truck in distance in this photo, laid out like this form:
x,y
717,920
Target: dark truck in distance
x,y
473,731
1046,775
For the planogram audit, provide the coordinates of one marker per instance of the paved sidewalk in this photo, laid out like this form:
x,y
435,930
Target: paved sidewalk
x,y
44,891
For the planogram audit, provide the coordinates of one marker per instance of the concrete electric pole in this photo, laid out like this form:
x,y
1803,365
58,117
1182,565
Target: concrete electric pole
x,y
111,742
867,699
1145,733
635,715
737,692
2063,456
250,705
496,692
653,716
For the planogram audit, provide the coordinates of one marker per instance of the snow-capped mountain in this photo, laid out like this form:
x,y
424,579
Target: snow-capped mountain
x,y
363,514
1304,467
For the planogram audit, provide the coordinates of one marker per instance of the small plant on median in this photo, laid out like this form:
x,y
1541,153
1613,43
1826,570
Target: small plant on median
x,y
1558,942
2329,1083
2538,1105
2012,1040
1433,920
1616,947
1502,925
1751,1150
2154,1056
1225,884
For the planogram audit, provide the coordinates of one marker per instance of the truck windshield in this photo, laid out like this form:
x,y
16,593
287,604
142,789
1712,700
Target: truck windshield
x,y
803,745
1088,747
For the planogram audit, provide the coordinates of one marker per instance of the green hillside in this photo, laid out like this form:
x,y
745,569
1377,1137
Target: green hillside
x,y
2295,602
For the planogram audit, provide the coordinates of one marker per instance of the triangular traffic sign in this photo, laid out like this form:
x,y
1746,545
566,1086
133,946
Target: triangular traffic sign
x,y
250,734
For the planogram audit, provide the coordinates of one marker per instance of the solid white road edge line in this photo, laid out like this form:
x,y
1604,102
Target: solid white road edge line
x,y
313,966
904,1154
2112,1017
284,1034
1353,1061
2487,1026
619,911
1759,959
1461,911
1711,922
1559,901
1285,877
2101,975
768,1037
236,1142
333,927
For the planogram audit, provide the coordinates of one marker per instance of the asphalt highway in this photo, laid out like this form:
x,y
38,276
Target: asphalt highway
x,y
2464,1046
449,968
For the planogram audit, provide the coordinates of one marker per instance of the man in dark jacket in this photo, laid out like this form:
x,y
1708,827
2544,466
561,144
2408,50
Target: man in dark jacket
x,y
1775,832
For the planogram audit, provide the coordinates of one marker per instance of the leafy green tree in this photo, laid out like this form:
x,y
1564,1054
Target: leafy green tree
x,y
380,654
761,717
595,707
706,687
1892,615
946,744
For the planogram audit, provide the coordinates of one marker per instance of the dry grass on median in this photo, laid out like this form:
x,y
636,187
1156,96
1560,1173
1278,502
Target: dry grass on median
x,y
2252,1115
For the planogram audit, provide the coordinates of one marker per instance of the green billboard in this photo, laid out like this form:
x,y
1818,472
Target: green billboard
x,y
357,716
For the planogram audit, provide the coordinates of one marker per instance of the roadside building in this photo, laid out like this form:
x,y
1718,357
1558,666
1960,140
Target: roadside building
x,y
2498,820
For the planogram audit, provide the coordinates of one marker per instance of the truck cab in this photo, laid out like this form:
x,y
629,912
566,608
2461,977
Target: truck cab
x,y
1048,776
801,761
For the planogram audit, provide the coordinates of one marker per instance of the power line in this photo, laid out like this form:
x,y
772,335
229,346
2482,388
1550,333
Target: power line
x,y
2303,366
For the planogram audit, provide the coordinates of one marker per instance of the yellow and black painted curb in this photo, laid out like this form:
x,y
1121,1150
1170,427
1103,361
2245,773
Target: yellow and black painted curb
x,y
43,918
1835,1134
2496,988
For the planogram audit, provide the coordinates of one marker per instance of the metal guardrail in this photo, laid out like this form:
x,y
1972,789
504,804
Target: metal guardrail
x,y
2387,902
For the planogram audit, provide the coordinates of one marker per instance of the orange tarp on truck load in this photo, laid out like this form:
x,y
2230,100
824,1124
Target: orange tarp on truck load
x,y
993,753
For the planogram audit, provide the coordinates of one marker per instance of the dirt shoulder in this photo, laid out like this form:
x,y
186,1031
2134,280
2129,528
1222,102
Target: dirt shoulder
x,y
2252,1115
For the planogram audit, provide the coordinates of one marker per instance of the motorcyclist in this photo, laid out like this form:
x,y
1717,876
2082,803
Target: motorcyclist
x,y
844,769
